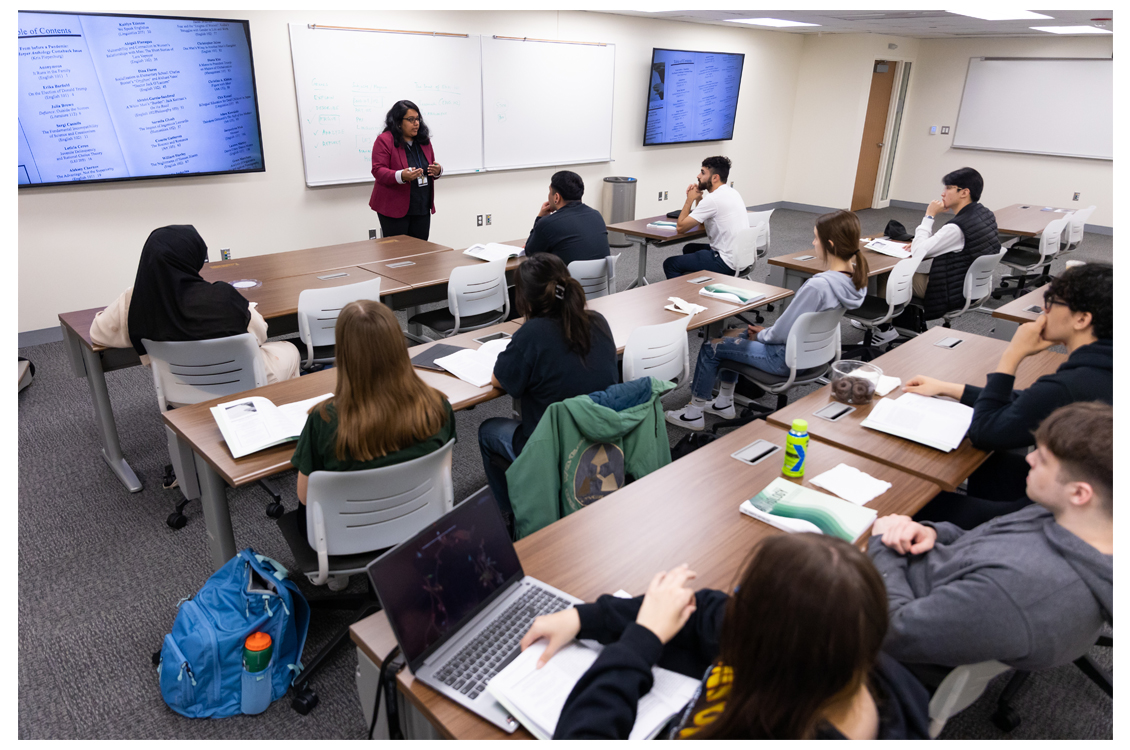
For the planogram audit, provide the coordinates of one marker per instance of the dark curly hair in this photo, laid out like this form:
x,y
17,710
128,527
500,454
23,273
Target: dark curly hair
x,y
392,124
718,165
1087,288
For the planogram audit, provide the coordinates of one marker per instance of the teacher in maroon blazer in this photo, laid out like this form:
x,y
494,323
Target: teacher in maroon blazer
x,y
405,168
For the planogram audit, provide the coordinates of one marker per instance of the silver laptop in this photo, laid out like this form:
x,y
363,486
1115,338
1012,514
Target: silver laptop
x,y
459,603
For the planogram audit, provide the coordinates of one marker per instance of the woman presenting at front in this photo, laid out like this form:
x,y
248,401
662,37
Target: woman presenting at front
x,y
404,166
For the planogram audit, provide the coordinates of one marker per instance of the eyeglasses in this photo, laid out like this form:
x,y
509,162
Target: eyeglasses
x,y
1050,301
411,119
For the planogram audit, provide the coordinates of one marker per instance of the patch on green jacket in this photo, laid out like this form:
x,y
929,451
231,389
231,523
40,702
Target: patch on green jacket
x,y
595,470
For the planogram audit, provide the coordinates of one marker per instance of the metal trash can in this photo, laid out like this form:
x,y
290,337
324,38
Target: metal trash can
x,y
619,204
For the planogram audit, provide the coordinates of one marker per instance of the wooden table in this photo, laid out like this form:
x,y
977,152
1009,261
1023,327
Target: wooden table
x,y
638,232
787,271
1021,310
217,470
685,512
1027,220
970,362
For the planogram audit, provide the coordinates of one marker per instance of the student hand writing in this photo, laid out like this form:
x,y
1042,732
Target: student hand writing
x,y
558,628
546,209
434,169
668,603
935,208
928,386
904,535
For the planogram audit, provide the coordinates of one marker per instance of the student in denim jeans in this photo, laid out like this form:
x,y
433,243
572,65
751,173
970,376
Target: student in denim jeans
x,y
836,240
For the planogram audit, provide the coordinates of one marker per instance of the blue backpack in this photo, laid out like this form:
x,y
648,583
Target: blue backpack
x,y
201,661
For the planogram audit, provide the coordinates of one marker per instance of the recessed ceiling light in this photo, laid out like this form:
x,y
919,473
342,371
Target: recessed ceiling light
x,y
999,15
778,22
1072,30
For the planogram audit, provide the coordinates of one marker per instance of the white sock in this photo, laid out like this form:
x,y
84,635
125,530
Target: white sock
x,y
695,408
725,394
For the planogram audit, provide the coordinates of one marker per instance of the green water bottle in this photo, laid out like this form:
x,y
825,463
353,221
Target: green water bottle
x,y
796,449
257,651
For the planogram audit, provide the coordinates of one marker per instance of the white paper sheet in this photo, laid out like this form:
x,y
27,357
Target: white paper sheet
x,y
938,423
851,484
888,247
474,366
887,383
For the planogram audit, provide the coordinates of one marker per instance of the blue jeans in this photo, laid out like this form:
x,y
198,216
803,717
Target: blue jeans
x,y
496,438
769,358
696,257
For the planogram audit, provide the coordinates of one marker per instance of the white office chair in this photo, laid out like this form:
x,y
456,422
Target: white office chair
x,y
812,346
978,285
476,298
1073,236
188,372
1028,264
878,311
658,351
597,277
317,316
959,690
755,218
746,245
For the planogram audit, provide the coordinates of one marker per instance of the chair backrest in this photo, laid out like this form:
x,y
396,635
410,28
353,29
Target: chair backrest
x,y
758,217
1050,239
594,276
959,690
1076,223
745,247
188,372
477,289
899,283
658,351
979,278
814,339
351,512
318,309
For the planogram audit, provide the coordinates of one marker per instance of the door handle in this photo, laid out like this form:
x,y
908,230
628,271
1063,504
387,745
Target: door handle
x,y
880,145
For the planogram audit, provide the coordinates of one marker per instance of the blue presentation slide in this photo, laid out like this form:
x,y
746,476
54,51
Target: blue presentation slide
x,y
112,97
693,96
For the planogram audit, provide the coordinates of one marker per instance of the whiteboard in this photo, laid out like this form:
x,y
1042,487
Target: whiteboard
x,y
1060,107
546,103
346,81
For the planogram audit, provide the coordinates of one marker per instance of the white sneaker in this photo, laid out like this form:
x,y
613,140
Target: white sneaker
x,y
728,412
676,417
856,324
882,338
338,583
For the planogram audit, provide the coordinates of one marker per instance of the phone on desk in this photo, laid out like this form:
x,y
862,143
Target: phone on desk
x,y
804,257
701,279
493,337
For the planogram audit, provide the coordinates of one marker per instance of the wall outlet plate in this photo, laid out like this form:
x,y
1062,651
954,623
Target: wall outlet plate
x,y
479,220
488,220
665,195
660,195
933,130
945,130
372,234
1075,197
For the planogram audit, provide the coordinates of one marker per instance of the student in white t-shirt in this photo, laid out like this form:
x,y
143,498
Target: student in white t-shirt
x,y
721,210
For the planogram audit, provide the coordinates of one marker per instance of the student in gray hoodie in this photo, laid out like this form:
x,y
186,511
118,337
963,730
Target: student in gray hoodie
x,y
1032,588
836,240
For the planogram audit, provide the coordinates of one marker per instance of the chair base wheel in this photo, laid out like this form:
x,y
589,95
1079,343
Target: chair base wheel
x,y
304,701
156,658
176,520
276,510
1006,719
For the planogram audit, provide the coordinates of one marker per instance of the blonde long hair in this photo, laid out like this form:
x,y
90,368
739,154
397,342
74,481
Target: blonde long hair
x,y
382,405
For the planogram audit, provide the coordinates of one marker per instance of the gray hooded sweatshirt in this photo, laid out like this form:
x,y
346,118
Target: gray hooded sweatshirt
x,y
823,291
1020,589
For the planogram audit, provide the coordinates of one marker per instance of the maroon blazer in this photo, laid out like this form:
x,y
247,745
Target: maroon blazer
x,y
390,197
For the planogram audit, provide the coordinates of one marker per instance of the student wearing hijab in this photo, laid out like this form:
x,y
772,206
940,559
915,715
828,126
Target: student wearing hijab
x,y
169,301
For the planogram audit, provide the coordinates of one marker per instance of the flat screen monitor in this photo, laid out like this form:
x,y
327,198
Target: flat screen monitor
x,y
692,96
123,97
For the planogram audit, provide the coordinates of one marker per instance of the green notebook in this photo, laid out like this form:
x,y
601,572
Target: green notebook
x,y
791,507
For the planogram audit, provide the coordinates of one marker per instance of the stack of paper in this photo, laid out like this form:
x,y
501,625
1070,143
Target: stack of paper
x,y
728,293
794,508
494,251
887,383
851,484
474,366
535,697
935,422
889,247
254,423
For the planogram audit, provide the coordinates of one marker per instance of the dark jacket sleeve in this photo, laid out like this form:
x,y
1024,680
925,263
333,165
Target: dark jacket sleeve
x,y
1004,418
538,241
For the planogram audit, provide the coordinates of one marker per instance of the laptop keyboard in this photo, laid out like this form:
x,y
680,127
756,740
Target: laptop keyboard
x,y
497,645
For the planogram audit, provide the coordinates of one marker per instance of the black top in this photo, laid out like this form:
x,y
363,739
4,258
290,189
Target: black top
x,y
603,702
573,232
945,290
171,302
1004,419
420,199
539,368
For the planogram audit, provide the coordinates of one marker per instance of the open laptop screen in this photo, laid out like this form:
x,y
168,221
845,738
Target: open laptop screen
x,y
445,575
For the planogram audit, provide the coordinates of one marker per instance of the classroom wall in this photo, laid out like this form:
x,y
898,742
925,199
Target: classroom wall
x,y
934,97
833,87
78,246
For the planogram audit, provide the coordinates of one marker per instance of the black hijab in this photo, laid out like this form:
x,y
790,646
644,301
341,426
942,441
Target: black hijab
x,y
171,302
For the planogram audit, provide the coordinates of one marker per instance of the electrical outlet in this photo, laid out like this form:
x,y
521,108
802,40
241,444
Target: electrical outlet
x,y
660,195
488,220
945,130
1076,197
479,220
225,253
731,183
372,234
664,195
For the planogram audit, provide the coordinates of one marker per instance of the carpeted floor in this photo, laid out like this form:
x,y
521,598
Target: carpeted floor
x,y
100,573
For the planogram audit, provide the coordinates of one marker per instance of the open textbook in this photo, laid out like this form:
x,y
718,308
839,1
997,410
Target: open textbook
x,y
889,247
474,366
792,507
936,422
728,293
494,251
253,423
535,697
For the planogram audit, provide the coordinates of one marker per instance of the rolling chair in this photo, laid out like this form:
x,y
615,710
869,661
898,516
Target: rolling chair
x,y
317,316
658,351
188,372
1073,235
476,298
877,311
978,285
1029,264
759,217
597,277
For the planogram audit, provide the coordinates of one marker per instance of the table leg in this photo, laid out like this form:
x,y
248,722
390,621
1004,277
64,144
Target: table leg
x,y
1004,329
415,331
641,274
217,517
104,417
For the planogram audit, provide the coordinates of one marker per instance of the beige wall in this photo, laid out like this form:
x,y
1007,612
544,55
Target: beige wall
x,y
937,80
78,246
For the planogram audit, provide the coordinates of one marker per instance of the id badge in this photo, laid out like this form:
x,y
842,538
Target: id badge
x,y
422,180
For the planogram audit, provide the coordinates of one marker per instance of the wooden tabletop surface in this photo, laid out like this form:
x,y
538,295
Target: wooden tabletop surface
x,y
877,263
644,305
279,296
79,322
1017,310
428,270
197,427
639,228
969,363
684,512
1027,220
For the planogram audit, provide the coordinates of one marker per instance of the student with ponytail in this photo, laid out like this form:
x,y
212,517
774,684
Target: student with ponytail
x,y
844,284
561,351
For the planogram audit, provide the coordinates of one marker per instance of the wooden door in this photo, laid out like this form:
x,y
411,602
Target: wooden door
x,y
874,126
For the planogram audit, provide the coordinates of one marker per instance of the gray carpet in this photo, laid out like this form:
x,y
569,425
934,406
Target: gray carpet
x,y
100,573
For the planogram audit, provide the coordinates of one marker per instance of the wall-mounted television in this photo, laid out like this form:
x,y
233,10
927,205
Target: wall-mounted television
x,y
692,96
123,97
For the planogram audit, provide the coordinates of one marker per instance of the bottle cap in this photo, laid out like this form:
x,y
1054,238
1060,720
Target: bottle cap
x,y
257,641
800,425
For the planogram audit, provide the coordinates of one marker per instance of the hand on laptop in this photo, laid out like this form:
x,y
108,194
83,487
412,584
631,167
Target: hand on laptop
x,y
668,603
558,628
903,535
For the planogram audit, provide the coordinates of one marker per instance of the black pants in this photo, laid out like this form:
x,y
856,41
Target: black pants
x,y
965,511
418,226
